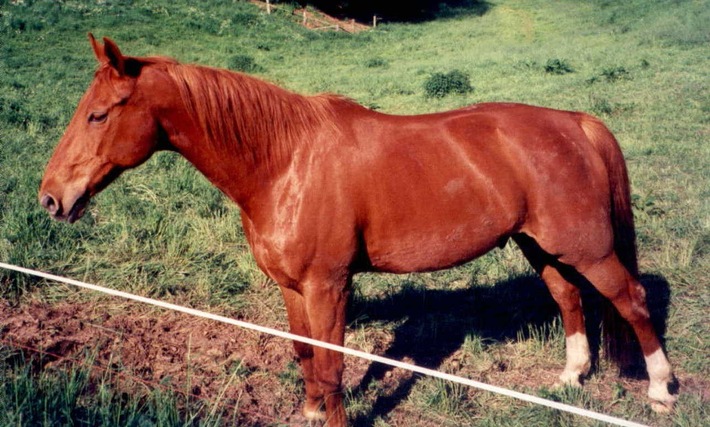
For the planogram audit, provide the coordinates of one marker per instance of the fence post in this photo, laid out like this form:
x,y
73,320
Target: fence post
x,y
268,7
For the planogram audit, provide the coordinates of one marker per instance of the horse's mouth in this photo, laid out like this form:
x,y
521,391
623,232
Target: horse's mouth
x,y
77,210
57,212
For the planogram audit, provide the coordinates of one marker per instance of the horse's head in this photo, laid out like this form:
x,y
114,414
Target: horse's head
x,y
113,129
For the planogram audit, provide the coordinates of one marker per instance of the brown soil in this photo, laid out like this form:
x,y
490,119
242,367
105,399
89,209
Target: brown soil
x,y
150,347
317,20
157,347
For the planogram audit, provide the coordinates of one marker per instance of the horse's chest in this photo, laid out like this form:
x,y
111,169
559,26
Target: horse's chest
x,y
287,251
276,252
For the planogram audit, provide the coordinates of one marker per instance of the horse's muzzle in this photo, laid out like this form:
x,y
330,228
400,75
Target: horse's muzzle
x,y
55,208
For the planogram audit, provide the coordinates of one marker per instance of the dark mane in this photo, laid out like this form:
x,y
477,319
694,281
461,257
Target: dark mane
x,y
261,120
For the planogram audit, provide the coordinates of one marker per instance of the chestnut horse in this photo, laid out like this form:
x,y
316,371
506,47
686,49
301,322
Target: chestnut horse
x,y
328,188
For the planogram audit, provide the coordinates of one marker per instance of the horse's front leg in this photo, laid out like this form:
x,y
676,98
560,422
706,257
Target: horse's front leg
x,y
325,303
299,325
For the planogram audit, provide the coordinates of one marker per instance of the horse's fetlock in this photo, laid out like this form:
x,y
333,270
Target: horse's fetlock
x,y
314,409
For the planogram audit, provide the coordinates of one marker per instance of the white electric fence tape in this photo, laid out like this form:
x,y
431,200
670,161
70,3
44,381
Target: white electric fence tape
x,y
361,354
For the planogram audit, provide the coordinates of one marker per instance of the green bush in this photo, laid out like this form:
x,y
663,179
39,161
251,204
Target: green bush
x,y
602,107
439,85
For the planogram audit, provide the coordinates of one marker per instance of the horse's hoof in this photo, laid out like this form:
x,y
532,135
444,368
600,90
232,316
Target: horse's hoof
x,y
663,395
568,380
662,407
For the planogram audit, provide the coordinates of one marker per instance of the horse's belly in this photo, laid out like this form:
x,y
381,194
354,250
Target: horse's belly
x,y
437,227
434,250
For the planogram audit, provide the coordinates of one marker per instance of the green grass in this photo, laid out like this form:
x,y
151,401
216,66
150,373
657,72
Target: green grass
x,y
163,231
35,393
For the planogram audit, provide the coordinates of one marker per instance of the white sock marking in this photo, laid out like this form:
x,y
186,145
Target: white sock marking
x,y
578,359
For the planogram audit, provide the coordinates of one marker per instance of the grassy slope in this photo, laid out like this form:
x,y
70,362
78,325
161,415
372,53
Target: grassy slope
x,y
163,231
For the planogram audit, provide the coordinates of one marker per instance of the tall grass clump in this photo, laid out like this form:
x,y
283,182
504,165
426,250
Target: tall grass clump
x,y
376,62
244,63
613,74
558,66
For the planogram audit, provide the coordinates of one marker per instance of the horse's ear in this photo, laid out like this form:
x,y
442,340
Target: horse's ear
x,y
109,54
98,49
115,57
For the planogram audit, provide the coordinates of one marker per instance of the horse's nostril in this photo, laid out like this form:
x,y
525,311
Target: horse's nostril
x,y
49,203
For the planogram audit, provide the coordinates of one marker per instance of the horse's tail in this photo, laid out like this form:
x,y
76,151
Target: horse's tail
x,y
617,335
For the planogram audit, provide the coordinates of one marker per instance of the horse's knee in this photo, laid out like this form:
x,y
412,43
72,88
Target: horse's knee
x,y
565,295
330,378
303,351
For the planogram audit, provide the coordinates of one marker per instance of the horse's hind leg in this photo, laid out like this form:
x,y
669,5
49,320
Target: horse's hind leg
x,y
568,298
628,296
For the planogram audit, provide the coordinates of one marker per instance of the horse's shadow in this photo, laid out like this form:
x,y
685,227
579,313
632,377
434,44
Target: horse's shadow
x,y
433,324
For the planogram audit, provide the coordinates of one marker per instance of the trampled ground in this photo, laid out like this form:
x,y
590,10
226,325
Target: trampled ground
x,y
246,372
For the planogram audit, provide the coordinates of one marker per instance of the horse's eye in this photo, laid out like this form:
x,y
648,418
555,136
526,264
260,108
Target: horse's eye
x,y
98,117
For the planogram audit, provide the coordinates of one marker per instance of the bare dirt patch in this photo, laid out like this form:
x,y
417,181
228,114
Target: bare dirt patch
x,y
253,373
188,355
315,19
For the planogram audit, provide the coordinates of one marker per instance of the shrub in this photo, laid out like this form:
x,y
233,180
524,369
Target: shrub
x,y
438,85
611,74
241,19
558,66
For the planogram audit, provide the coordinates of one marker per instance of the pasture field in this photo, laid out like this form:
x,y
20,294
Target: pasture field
x,y
76,358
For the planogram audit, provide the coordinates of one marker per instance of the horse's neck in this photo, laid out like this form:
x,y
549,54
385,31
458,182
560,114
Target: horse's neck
x,y
243,156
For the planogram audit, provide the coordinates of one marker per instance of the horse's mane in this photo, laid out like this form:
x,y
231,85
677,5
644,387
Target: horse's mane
x,y
258,119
